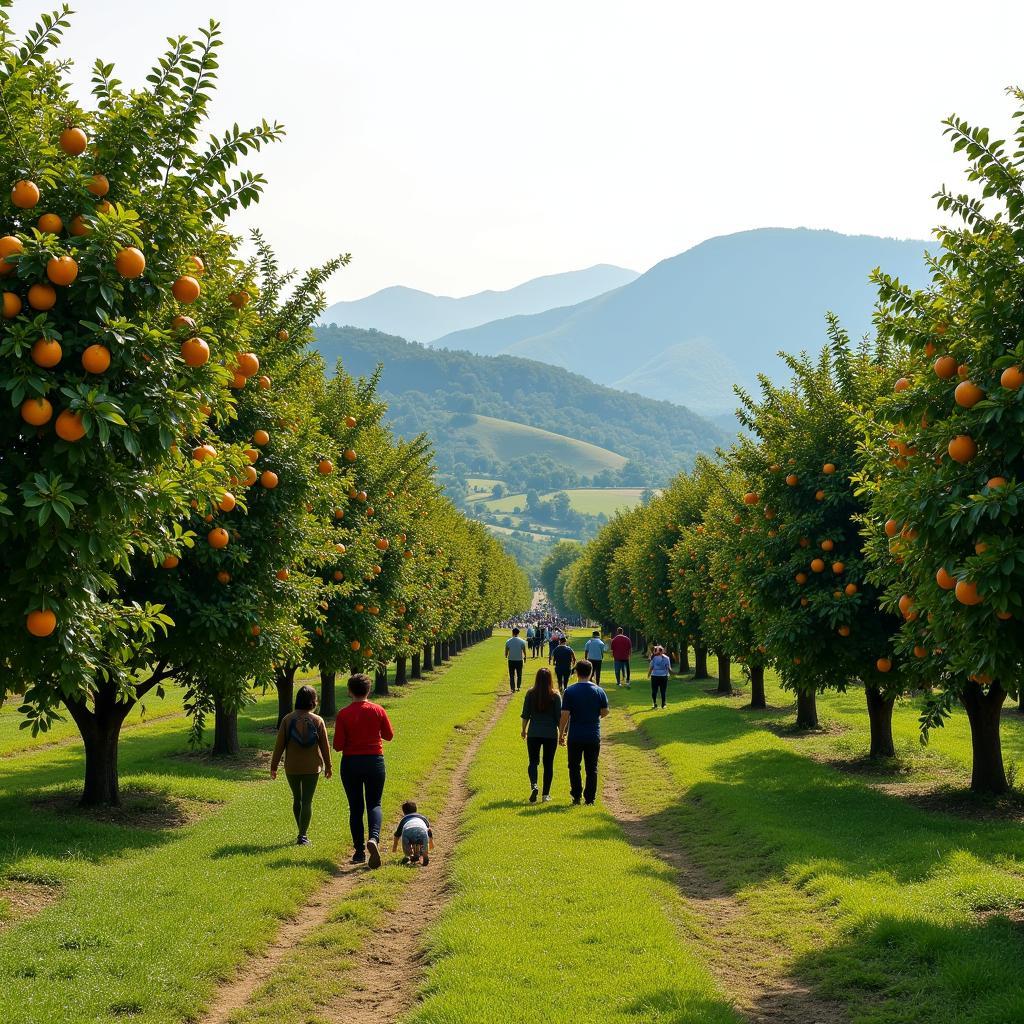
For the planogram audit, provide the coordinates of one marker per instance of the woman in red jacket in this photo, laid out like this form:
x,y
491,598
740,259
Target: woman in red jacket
x,y
359,732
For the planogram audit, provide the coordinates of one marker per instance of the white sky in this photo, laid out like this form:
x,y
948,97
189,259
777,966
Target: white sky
x,y
458,145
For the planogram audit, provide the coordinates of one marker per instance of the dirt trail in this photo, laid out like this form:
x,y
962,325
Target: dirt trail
x,y
749,966
383,985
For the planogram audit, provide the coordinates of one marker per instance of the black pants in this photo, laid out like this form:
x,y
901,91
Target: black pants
x,y
515,675
588,751
621,669
534,745
659,684
362,775
303,788
596,674
562,675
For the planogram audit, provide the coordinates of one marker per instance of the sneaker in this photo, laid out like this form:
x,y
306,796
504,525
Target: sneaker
x,y
533,795
589,803
426,858
654,707
545,799
358,857
303,841
374,854
575,801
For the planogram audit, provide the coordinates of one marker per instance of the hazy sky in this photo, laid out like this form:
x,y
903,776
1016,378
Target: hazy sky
x,y
455,146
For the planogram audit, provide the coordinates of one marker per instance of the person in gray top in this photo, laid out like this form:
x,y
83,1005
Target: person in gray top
x,y
515,654
542,710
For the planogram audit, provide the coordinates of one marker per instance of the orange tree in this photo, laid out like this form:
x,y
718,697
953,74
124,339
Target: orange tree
x,y
802,566
946,469
552,577
590,589
106,216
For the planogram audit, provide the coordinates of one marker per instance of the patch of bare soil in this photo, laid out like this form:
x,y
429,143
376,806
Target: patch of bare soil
x,y
139,808
21,900
247,759
789,730
734,692
959,802
751,969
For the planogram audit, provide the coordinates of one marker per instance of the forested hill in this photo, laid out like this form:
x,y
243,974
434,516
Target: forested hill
x,y
439,391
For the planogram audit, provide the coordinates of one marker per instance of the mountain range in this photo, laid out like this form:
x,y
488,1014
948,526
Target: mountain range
x,y
420,316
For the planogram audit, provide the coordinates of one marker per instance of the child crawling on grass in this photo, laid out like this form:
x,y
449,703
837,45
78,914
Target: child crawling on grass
x,y
416,836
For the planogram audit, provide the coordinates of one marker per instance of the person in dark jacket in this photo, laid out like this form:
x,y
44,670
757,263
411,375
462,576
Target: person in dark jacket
x,y
563,657
542,711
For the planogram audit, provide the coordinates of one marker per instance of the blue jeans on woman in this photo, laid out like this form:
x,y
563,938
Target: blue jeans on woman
x,y
363,775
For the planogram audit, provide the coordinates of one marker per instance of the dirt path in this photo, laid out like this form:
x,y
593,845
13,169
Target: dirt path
x,y
384,983
749,966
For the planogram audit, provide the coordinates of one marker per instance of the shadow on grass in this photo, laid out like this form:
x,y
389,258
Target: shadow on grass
x,y
247,849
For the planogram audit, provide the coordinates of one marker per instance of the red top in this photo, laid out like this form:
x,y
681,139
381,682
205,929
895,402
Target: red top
x,y
621,648
360,727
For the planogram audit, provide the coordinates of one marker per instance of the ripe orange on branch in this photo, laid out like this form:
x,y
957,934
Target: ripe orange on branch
x,y
69,426
98,185
195,352
186,289
9,246
36,411
130,263
218,538
73,141
61,270
47,353
962,449
41,622
42,297
25,194
50,224
96,359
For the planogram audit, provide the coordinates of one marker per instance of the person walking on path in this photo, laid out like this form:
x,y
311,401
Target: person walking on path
x,y
302,739
515,652
658,673
622,651
584,704
542,712
359,732
593,651
563,657
531,637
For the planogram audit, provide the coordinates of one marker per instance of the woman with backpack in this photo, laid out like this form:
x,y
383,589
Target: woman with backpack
x,y
302,739
542,709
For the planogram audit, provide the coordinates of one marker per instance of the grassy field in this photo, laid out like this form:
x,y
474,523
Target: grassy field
x,y
591,501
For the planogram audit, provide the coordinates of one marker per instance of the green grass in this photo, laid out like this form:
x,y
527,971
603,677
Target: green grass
x,y
478,487
590,501
896,910
149,919
505,440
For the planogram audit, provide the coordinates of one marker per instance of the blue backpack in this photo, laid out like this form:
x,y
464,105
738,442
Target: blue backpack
x,y
307,740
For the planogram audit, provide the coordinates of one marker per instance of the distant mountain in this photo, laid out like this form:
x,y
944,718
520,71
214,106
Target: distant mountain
x,y
470,405
713,316
420,316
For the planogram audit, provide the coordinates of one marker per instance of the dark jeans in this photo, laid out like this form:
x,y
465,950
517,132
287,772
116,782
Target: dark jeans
x,y
596,674
621,669
658,684
562,675
515,675
303,788
534,745
362,775
588,751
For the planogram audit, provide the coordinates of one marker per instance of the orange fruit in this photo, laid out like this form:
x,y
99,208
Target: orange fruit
x,y
827,545
967,394
350,455
829,468
1012,378
170,562
25,194
282,335
69,426
103,207
12,305
963,371
326,467
996,482
355,645
252,455
264,383
98,185
96,359
838,568
195,352
268,479
282,574
204,452
339,575
261,437
198,266
42,297
237,382
843,631
79,226
41,622
248,365
906,606
223,577
1005,616
9,246
792,479
50,224
883,665
817,565
851,589
962,449
967,592
73,141
944,367
819,495
227,502
129,262
340,548
36,411
47,353
920,652
249,476
186,289
944,579
218,538
183,322
891,527
350,422
239,299
750,498
902,384
383,544
61,270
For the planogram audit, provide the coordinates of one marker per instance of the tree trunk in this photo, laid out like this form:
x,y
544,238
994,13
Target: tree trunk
x,y
380,681
438,654
100,727
684,657
428,657
724,674
700,661
806,710
880,718
400,674
284,680
416,672
328,695
983,710
757,700
225,729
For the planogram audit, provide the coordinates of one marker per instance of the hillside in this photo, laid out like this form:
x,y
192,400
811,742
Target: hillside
x,y
458,397
422,317
711,317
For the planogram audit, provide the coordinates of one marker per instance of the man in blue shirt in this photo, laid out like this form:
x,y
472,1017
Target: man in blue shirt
x,y
584,704
593,651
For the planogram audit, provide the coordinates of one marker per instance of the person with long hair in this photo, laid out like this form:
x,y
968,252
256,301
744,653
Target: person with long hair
x,y
359,733
658,672
302,739
542,710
